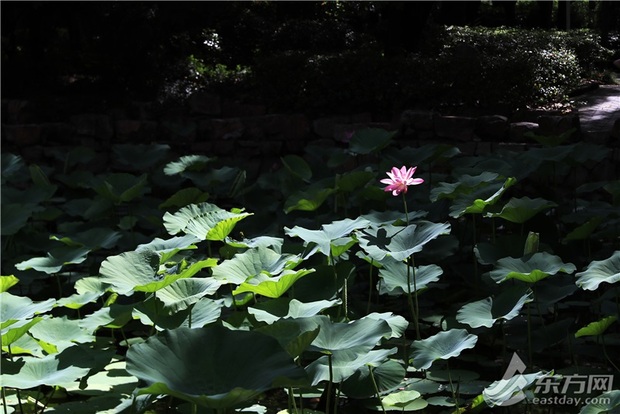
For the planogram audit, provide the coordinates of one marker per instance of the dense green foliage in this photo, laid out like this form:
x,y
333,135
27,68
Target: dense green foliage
x,y
174,284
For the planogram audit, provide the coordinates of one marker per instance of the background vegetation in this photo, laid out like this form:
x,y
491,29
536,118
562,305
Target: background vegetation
x,y
310,56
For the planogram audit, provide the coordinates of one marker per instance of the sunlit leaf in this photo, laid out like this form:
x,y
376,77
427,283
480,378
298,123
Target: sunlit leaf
x,y
187,163
14,308
55,259
531,268
307,200
205,221
344,363
328,234
596,328
185,292
487,311
599,271
251,263
399,242
274,310
397,278
443,345
520,210
272,287
6,282
44,371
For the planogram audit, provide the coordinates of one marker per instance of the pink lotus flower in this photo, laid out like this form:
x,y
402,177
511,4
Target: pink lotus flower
x,y
400,179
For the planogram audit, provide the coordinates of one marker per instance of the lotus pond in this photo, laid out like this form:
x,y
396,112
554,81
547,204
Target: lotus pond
x,y
168,282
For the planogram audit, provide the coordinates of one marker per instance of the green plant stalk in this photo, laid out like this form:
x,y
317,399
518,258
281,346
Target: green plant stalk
x,y
374,384
49,399
454,396
529,336
329,385
19,397
414,315
292,400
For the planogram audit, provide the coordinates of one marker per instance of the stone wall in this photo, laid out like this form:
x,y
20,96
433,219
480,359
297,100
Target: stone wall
x,y
211,125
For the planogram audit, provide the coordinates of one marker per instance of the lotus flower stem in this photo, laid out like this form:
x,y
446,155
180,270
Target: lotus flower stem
x,y
4,400
370,286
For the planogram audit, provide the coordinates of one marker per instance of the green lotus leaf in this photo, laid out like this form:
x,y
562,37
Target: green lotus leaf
x,y
509,391
77,300
6,282
16,330
55,259
251,263
113,316
329,233
478,200
15,216
31,372
520,210
388,375
353,180
487,311
272,287
307,200
20,343
275,243
599,271
94,238
92,284
399,242
294,335
211,366
205,221
400,399
152,312
362,335
596,328
168,248
531,268
443,345
130,269
344,363
607,402
185,292
185,197
15,308
397,323
297,166
61,332
464,185
113,378
585,230
121,187
370,140
274,310
140,157
394,277
187,163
